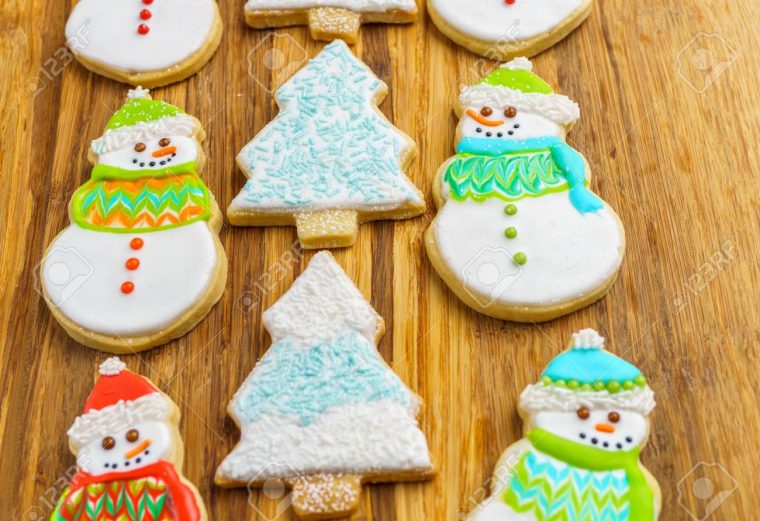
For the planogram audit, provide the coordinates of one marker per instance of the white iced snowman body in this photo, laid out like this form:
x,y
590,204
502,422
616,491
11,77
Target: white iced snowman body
x,y
127,449
140,35
165,271
569,253
500,21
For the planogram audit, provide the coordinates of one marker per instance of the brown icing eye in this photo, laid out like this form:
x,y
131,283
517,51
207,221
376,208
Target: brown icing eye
x,y
164,141
510,112
108,443
583,413
139,147
132,435
614,417
486,111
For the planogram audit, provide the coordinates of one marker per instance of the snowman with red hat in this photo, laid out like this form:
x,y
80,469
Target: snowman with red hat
x,y
129,455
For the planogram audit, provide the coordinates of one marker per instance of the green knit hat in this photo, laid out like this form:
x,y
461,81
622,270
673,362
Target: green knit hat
x,y
143,119
514,84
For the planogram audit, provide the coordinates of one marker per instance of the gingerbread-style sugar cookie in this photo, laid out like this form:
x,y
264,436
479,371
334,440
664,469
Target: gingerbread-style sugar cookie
x,y
519,235
141,262
129,455
322,411
502,30
144,42
329,160
329,19
586,422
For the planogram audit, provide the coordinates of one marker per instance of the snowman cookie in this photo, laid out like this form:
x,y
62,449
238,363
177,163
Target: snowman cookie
x,y
330,160
129,455
519,235
503,29
329,19
586,422
144,42
322,412
141,262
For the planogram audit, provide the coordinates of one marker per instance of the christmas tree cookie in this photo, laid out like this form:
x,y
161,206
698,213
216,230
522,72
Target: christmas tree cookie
x,y
329,160
586,422
329,19
141,262
503,29
144,42
129,455
321,411
519,235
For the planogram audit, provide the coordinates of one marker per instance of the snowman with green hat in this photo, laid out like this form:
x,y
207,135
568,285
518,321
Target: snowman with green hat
x,y
519,234
586,422
141,262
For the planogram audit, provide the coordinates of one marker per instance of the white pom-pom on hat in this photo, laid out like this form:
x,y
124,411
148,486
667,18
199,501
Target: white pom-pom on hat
x,y
521,63
587,339
138,93
112,366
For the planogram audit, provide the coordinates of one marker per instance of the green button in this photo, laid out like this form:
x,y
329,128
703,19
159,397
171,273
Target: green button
x,y
511,232
510,209
520,258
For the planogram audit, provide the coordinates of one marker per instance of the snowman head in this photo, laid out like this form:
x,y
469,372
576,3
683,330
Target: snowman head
x,y
512,103
146,137
591,397
126,423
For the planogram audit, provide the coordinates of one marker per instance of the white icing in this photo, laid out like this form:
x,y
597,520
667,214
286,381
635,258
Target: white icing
x,y
569,254
138,92
97,424
105,31
186,150
359,6
378,436
118,138
556,107
494,509
570,426
523,125
84,269
521,63
321,302
96,460
496,21
112,366
540,397
587,339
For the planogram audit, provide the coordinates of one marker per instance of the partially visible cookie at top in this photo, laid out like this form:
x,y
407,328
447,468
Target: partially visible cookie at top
x,y
143,42
329,19
504,29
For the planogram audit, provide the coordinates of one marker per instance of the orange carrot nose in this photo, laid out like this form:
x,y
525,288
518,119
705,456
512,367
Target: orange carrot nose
x,y
605,427
161,152
137,450
484,121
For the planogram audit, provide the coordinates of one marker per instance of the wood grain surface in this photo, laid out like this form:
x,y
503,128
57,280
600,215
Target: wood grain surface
x,y
669,98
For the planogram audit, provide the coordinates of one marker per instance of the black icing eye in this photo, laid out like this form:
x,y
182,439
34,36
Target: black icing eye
x,y
139,147
583,413
108,443
614,417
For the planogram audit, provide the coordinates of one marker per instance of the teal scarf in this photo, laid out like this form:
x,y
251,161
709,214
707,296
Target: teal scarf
x,y
513,169
573,494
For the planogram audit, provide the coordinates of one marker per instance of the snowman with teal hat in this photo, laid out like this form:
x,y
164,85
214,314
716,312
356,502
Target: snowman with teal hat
x,y
519,234
141,262
586,422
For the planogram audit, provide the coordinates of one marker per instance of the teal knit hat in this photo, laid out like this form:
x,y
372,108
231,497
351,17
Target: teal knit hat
x,y
514,84
588,374
143,119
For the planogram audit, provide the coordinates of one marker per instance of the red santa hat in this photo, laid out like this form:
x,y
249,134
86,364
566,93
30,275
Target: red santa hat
x,y
119,400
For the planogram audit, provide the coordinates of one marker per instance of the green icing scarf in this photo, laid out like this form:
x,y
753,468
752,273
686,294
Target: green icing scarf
x,y
639,496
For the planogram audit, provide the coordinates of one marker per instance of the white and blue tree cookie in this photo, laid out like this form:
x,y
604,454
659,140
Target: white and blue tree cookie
x,y
322,411
586,422
519,235
330,159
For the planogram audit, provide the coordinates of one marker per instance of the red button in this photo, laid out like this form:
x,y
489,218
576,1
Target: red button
x,y
132,263
143,29
127,287
145,14
147,2
136,243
